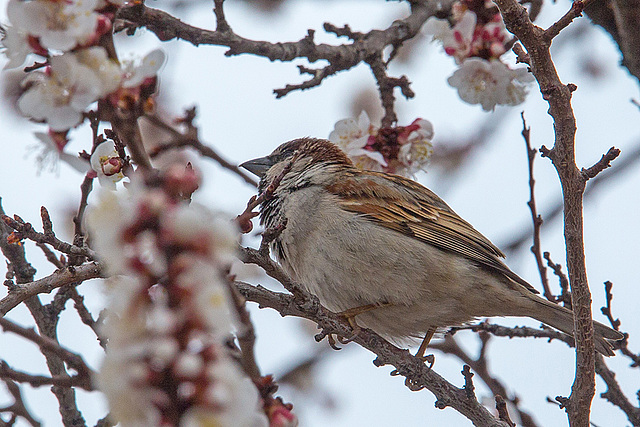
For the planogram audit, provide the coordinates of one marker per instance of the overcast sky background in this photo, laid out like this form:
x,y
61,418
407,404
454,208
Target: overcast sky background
x,y
240,117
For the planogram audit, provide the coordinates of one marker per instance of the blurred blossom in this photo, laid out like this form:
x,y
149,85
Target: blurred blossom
x,y
50,151
139,79
415,147
59,25
169,315
489,83
15,43
476,39
456,40
403,150
59,95
280,415
107,164
136,72
107,70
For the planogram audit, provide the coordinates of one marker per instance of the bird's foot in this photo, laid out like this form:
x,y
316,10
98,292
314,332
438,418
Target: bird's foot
x,y
350,316
351,313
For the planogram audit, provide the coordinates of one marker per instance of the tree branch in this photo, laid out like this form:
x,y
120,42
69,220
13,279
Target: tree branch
x,y
536,249
21,292
8,373
306,306
340,57
537,42
190,139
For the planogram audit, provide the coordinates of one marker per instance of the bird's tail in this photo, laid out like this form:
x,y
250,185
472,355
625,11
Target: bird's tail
x,y
562,319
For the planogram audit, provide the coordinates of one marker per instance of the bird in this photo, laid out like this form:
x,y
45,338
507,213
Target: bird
x,y
387,252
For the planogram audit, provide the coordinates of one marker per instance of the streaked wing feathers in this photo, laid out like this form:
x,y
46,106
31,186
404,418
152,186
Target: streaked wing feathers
x,y
402,205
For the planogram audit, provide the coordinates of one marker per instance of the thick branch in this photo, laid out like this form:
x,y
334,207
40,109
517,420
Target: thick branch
x,y
340,57
66,276
558,95
307,307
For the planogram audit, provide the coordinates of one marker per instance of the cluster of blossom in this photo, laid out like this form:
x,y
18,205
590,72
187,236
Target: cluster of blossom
x,y
402,150
168,313
476,37
77,70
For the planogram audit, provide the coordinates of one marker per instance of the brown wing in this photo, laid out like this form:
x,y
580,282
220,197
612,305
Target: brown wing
x,y
405,206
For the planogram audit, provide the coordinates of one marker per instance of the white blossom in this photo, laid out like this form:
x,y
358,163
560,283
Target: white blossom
x,y
189,365
136,72
74,81
166,339
60,96
457,40
106,221
406,154
214,235
16,47
352,137
233,392
107,70
416,148
59,25
211,299
490,83
107,164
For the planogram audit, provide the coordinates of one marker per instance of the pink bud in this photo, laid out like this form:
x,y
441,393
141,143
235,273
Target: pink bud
x,y
112,166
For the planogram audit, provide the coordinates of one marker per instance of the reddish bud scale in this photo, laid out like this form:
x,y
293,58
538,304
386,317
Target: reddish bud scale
x,y
36,47
15,238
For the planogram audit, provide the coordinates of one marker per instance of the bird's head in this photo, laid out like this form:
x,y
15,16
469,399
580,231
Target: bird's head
x,y
301,161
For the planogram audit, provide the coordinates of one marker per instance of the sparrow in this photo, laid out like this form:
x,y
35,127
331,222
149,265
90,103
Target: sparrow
x,y
388,250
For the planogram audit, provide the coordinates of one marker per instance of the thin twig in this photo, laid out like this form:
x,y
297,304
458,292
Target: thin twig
x,y
180,140
565,293
503,414
480,366
18,408
24,230
576,10
603,163
8,373
72,359
469,388
86,316
246,335
244,219
536,249
606,310
614,393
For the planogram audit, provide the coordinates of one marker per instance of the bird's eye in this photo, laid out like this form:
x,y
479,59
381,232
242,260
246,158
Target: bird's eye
x,y
283,155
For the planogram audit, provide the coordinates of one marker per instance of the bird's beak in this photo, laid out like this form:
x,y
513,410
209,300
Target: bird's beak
x,y
258,166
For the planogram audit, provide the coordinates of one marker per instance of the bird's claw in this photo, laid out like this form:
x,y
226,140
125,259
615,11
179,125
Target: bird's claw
x,y
332,342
